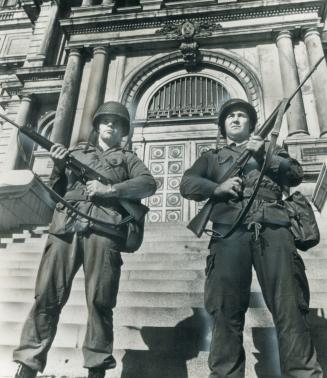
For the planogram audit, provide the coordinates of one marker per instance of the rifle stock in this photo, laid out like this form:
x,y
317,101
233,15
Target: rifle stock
x,y
199,222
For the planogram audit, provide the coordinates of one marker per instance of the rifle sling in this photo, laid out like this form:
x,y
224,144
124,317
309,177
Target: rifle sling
x,y
58,198
267,160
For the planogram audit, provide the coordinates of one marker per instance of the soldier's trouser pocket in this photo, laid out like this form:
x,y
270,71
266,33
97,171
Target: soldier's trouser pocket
x,y
301,282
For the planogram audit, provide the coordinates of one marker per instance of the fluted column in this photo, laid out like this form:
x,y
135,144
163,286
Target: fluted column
x,y
95,90
296,118
315,51
22,118
66,107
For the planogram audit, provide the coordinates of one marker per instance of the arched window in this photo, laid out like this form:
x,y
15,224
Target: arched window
x,y
193,95
45,125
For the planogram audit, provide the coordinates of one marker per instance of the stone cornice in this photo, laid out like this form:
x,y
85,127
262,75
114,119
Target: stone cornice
x,y
84,23
13,18
40,73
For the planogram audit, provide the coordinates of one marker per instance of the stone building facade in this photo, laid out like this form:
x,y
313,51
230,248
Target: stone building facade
x,y
172,63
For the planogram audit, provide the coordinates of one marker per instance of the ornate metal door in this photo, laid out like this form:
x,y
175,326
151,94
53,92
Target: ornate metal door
x,y
167,162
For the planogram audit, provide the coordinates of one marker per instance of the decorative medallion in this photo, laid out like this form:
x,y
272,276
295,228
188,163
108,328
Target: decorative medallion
x,y
173,216
187,31
154,216
175,167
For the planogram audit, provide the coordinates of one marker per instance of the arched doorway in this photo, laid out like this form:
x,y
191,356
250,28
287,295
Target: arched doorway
x,y
175,115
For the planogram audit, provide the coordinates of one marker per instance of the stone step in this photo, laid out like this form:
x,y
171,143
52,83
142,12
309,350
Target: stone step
x,y
180,255
153,299
261,360
182,275
152,317
178,270
68,362
158,338
144,285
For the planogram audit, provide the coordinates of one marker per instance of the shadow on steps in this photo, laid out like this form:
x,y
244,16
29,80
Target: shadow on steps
x,y
161,360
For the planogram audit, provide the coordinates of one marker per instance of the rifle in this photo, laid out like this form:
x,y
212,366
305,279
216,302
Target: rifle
x,y
199,222
82,171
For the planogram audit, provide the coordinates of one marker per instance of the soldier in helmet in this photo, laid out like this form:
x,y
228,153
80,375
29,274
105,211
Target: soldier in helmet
x,y
74,241
263,241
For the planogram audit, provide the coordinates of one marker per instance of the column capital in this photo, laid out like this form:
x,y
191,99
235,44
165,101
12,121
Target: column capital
x,y
26,97
284,34
310,32
101,50
75,51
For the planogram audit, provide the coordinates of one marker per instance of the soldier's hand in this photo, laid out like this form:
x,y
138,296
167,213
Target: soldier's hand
x,y
229,189
96,189
256,145
58,153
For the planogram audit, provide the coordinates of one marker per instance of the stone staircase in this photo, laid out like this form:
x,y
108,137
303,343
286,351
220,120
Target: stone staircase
x,y
161,328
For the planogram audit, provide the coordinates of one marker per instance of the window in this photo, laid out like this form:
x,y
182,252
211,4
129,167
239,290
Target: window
x,y
187,96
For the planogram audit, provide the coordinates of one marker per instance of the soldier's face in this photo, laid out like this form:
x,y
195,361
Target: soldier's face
x,y
237,124
110,130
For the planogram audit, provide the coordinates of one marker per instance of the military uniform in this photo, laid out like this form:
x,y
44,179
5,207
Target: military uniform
x,y
75,241
264,241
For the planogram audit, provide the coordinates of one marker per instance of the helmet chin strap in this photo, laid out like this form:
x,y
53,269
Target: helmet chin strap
x,y
128,141
218,138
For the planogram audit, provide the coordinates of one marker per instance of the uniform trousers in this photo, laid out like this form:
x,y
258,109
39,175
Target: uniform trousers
x,y
281,275
61,260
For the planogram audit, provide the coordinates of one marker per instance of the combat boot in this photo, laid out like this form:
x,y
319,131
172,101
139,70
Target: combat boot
x,y
96,373
25,371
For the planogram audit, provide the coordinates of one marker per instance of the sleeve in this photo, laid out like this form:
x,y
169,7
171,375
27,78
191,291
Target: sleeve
x,y
140,184
58,180
285,170
195,185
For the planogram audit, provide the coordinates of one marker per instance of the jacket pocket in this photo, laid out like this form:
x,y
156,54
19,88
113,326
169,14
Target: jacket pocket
x,y
301,282
59,220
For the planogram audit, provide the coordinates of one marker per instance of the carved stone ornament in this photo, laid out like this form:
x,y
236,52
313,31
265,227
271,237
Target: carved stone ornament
x,y
191,54
186,29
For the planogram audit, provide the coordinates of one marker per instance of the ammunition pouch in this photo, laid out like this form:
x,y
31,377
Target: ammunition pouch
x,y
303,222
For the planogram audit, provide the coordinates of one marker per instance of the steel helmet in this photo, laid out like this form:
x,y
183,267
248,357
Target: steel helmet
x,y
113,108
225,108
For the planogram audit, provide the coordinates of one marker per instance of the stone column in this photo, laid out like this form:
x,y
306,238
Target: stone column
x,y
296,118
87,3
315,51
95,90
49,33
65,112
22,118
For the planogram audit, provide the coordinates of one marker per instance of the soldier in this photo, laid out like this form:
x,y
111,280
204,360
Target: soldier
x,y
263,240
74,241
